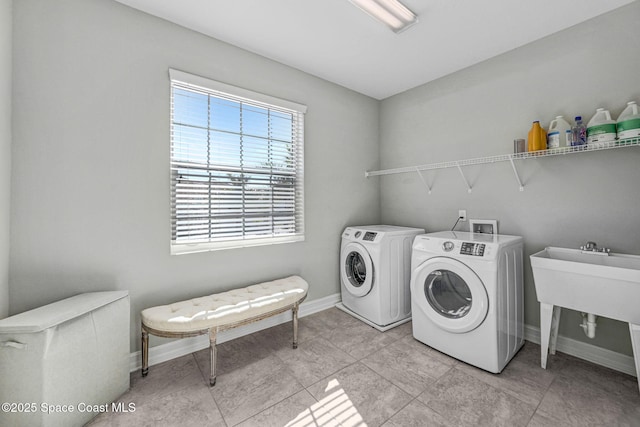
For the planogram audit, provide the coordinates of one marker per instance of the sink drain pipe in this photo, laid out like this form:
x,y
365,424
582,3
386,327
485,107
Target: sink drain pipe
x,y
588,324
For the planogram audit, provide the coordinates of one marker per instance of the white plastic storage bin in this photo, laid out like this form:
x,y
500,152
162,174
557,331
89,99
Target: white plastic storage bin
x,y
64,363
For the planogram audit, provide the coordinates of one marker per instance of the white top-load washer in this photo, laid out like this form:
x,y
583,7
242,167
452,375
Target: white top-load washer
x,y
375,269
467,296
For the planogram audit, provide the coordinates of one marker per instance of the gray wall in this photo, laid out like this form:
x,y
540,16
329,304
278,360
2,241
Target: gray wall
x,y
5,150
90,195
480,110
89,181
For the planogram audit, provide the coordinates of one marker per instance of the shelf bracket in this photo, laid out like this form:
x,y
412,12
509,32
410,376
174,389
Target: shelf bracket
x,y
469,189
515,171
423,180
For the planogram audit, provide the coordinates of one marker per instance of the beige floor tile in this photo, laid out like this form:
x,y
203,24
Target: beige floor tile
x,y
403,330
620,385
314,360
164,378
417,414
360,340
308,328
467,401
540,420
581,401
521,379
409,364
529,354
232,355
299,410
277,337
333,318
189,407
247,391
261,382
397,332
357,396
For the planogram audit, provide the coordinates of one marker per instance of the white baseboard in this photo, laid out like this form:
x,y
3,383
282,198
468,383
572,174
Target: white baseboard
x,y
171,350
591,353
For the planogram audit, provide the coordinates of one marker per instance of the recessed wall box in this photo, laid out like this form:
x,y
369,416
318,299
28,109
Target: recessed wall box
x,y
483,226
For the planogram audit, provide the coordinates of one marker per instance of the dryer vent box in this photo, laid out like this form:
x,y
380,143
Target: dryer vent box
x,y
483,226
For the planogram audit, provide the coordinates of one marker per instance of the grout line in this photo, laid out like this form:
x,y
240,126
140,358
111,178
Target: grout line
x,y
555,378
401,409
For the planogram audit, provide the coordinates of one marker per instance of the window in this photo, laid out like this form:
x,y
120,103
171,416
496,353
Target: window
x,y
236,167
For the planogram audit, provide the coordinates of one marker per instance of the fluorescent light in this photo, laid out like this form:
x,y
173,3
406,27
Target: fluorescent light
x,y
392,13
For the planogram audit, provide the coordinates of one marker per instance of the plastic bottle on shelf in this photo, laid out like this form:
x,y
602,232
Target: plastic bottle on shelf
x,y
629,122
601,128
537,138
578,133
559,135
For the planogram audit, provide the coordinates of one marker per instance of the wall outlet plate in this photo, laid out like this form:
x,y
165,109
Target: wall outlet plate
x,y
483,226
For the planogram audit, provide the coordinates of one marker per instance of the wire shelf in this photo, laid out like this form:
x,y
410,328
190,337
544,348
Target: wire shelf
x,y
629,142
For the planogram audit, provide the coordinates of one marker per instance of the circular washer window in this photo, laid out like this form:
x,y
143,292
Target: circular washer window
x,y
356,269
448,294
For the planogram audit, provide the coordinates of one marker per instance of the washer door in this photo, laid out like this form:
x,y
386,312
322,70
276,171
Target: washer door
x,y
356,269
450,294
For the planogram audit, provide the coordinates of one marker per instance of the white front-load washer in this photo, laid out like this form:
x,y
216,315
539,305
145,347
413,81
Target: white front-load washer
x,y
467,296
375,269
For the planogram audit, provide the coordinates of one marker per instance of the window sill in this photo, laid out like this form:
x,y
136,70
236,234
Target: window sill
x,y
183,249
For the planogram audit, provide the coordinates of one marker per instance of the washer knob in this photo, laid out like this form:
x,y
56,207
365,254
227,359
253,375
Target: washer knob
x,y
447,246
358,233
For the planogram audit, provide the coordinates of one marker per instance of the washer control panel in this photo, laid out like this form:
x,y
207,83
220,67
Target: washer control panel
x,y
462,245
474,249
362,235
369,236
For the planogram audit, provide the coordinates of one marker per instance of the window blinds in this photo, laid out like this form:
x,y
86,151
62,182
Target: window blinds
x,y
236,166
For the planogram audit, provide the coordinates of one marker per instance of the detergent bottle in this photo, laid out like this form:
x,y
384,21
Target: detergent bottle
x,y
559,133
537,138
579,133
601,128
629,122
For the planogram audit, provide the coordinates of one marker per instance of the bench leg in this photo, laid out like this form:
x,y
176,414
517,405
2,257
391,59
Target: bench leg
x,y
145,353
213,333
294,311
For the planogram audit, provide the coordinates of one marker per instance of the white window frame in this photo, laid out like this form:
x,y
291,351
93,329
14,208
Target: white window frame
x,y
216,89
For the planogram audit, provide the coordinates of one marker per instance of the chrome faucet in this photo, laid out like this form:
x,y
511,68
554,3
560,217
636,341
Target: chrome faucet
x,y
593,247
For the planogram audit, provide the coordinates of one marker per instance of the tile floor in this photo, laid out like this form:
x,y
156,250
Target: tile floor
x,y
345,373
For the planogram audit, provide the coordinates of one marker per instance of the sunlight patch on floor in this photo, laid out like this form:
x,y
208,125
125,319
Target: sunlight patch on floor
x,y
336,409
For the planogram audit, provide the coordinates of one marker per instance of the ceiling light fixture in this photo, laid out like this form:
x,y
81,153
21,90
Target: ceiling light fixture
x,y
392,13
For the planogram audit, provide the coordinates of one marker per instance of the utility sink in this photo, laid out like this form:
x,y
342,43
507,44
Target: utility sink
x,y
603,284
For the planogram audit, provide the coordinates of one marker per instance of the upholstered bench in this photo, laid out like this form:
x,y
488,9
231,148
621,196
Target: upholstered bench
x,y
222,311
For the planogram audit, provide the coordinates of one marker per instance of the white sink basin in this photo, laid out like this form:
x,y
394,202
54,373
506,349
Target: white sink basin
x,y
607,286
604,285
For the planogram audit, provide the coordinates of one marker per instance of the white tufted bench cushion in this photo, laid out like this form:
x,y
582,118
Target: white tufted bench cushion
x,y
221,311
226,307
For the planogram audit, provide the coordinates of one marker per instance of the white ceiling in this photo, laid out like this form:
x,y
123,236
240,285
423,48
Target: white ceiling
x,y
336,41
